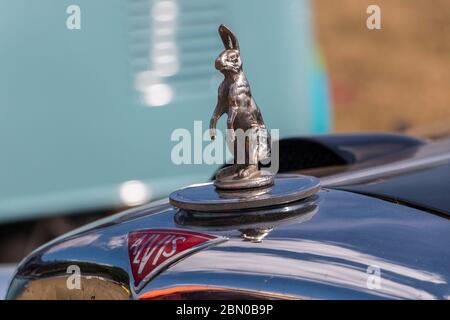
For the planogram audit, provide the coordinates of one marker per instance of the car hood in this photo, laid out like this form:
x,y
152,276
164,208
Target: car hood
x,y
336,245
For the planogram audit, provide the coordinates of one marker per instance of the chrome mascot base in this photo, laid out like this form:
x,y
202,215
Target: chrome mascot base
x,y
207,198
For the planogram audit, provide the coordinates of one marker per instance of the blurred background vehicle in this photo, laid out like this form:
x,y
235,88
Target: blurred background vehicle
x,y
87,115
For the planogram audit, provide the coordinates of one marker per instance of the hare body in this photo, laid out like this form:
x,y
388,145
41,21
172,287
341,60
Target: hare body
x,y
235,99
234,94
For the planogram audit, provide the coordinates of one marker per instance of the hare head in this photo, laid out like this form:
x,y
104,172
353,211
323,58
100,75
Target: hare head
x,y
230,59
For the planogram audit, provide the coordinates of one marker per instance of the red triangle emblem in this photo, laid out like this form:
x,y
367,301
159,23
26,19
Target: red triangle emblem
x,y
152,250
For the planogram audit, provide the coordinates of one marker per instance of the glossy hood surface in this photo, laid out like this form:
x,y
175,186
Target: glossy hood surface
x,y
335,245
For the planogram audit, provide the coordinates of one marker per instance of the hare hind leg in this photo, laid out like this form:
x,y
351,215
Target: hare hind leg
x,y
249,171
250,168
228,171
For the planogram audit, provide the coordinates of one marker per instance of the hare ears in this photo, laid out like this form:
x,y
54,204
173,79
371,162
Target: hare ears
x,y
228,38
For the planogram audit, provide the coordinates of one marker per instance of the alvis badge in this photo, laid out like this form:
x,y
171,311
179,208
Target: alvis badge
x,y
241,186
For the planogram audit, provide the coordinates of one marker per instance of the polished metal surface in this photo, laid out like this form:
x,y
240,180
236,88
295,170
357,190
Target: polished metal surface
x,y
255,224
417,158
6,273
206,198
326,247
399,167
247,136
329,255
332,255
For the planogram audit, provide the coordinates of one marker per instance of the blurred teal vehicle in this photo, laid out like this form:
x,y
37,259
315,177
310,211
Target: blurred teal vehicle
x,y
91,91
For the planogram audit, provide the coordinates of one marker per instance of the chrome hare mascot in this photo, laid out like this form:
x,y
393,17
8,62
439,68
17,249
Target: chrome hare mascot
x,y
236,100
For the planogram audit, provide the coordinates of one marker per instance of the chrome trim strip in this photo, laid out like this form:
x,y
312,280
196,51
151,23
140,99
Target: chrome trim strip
x,y
384,170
